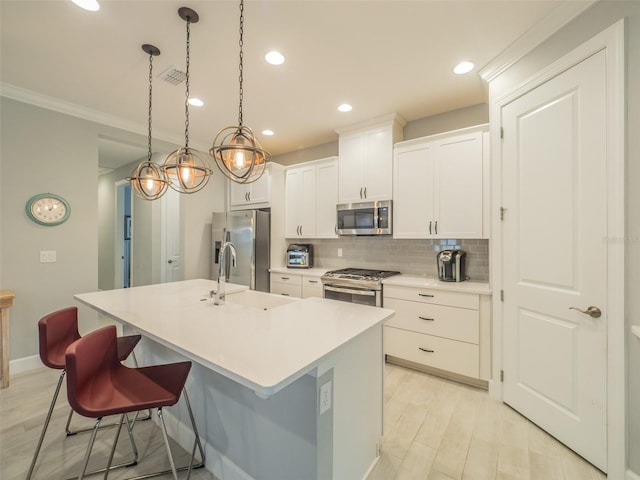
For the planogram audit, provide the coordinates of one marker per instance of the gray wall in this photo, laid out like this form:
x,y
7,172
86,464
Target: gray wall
x,y
590,23
443,122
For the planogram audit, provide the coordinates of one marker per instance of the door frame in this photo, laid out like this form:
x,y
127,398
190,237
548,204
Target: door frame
x,y
611,40
119,235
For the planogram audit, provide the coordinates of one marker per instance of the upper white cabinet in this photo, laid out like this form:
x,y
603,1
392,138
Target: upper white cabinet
x,y
441,185
311,195
366,160
252,195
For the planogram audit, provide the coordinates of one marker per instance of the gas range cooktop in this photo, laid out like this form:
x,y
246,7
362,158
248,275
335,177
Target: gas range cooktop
x,y
359,274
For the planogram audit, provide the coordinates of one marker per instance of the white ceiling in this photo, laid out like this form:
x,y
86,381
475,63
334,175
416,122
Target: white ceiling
x,y
380,56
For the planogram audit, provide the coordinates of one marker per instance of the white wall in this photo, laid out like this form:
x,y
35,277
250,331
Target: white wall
x,y
590,23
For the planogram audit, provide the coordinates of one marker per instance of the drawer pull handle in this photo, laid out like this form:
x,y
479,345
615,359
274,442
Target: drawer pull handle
x,y
284,294
313,281
425,318
426,350
426,295
284,278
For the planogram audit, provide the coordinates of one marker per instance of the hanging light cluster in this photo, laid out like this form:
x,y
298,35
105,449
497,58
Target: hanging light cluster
x,y
237,152
148,180
187,168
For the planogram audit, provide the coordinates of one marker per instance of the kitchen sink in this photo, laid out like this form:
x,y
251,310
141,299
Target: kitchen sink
x,y
261,300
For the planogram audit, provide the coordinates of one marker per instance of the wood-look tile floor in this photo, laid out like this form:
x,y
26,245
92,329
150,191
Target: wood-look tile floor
x,y
434,430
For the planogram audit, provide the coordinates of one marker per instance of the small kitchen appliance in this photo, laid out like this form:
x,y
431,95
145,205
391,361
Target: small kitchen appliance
x,y
300,255
451,265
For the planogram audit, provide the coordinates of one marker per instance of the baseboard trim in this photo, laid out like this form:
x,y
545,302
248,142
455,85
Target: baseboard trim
x,y
632,476
24,364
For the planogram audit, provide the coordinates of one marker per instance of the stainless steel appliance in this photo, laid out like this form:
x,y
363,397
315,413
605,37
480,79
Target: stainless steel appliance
x,y
249,231
364,218
451,265
355,285
300,255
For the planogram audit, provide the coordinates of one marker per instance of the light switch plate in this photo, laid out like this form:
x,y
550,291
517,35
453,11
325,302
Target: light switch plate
x,y
325,397
47,256
339,252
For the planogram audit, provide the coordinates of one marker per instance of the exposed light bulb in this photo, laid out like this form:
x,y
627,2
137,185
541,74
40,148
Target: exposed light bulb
x,y
239,159
149,184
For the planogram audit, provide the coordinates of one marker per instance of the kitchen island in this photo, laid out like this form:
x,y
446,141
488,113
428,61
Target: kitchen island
x,y
281,388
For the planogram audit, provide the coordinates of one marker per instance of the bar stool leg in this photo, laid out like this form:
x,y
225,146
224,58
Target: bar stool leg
x,y
166,442
89,448
195,431
46,425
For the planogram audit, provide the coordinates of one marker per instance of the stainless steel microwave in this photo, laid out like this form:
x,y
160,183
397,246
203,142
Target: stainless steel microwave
x,y
364,218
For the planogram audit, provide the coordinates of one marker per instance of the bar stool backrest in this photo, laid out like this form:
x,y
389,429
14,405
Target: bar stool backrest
x,y
56,331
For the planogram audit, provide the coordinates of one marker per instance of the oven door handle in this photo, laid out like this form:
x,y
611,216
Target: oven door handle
x,y
354,291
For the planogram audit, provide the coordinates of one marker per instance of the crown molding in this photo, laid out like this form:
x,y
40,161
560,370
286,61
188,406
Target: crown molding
x,y
558,18
50,103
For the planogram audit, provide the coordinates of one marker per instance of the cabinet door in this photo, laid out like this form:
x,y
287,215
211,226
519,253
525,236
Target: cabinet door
x,y
239,193
458,186
308,203
293,192
260,190
326,199
311,287
378,164
413,192
351,168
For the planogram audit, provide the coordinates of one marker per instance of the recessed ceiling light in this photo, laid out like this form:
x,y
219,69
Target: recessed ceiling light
x,y
345,107
463,67
268,133
274,58
196,102
91,5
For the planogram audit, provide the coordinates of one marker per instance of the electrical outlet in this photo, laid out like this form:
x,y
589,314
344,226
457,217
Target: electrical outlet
x,y
47,256
339,252
325,397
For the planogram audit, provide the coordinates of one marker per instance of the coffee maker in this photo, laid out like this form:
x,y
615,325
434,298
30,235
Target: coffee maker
x,y
451,265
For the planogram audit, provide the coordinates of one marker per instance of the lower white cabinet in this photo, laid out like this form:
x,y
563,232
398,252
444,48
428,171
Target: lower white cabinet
x,y
296,285
440,329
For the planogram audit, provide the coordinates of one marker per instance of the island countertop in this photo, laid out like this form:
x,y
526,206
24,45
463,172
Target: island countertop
x,y
264,350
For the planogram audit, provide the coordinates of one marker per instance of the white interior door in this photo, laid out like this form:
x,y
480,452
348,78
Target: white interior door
x,y
555,257
171,236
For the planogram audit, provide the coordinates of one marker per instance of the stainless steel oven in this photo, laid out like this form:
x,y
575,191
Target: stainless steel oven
x,y
355,285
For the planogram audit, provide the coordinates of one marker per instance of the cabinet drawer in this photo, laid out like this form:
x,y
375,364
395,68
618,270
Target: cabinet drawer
x,y
450,355
286,289
439,297
311,287
449,322
289,278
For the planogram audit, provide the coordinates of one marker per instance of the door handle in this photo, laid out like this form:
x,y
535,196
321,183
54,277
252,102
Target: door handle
x,y
169,261
430,222
426,350
593,312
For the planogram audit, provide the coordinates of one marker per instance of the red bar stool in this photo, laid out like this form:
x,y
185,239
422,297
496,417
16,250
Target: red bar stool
x,y
99,385
56,331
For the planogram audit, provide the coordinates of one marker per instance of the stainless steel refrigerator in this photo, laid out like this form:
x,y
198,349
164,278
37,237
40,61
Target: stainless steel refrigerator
x,y
249,231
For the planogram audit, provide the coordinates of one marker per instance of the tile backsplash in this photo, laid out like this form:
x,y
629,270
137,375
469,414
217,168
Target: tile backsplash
x,y
411,257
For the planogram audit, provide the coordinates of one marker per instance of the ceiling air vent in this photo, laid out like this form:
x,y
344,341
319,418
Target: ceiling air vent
x,y
172,75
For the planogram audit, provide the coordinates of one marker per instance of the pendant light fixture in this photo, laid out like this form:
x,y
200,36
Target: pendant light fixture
x,y
186,168
148,180
238,153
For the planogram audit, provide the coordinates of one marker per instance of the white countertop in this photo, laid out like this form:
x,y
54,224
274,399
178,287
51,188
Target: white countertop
x,y
309,272
434,283
264,350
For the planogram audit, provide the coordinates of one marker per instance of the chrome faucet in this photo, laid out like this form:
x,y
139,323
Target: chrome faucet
x,y
220,293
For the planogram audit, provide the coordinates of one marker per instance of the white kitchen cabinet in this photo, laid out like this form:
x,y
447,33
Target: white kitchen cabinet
x,y
366,160
251,195
287,284
300,202
440,186
310,199
438,329
311,287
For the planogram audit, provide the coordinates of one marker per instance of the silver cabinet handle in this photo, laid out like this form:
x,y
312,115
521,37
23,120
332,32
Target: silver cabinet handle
x,y
335,228
361,193
426,318
430,222
365,192
285,278
593,312
313,281
428,295
300,230
426,350
284,294
436,227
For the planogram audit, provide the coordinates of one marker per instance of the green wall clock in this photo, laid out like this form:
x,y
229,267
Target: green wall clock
x,y
48,209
